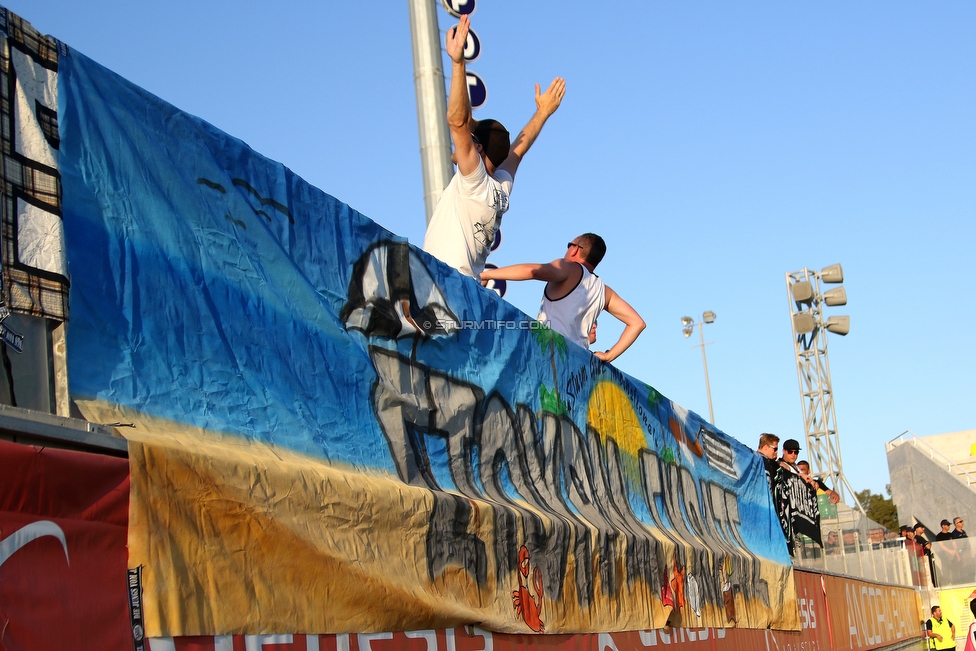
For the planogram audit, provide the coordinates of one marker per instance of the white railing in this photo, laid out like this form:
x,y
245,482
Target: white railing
x,y
917,442
893,561
887,561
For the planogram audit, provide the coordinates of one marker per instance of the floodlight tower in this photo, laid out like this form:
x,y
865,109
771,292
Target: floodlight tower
x,y
689,327
813,367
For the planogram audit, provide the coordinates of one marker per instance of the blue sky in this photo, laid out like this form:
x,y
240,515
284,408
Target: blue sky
x,y
715,146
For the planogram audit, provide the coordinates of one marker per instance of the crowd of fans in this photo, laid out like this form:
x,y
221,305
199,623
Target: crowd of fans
x,y
956,563
794,491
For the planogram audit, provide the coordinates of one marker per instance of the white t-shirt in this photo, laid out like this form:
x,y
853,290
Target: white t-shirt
x,y
463,225
573,315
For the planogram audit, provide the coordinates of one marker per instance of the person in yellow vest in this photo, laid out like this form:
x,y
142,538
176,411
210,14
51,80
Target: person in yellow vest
x,y
942,632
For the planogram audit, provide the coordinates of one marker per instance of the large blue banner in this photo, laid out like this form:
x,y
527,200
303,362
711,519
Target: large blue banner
x,y
214,289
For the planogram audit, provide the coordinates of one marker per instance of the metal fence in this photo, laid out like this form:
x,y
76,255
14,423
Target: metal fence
x,y
856,546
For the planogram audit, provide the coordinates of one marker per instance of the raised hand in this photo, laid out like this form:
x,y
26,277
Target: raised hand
x,y
456,38
550,100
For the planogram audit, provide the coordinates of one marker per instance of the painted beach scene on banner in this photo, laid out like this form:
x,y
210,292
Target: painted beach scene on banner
x,y
273,421
545,488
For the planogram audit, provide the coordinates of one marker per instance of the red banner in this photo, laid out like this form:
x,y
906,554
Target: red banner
x,y
835,613
63,519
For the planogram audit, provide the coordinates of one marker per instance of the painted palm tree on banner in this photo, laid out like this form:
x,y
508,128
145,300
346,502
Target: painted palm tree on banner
x,y
552,342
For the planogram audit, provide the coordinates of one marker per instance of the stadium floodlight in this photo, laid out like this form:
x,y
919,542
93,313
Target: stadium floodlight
x,y
807,299
832,274
688,328
802,292
835,296
804,323
839,325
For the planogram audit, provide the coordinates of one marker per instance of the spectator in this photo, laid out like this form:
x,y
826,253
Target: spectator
x,y
920,540
941,630
469,212
925,547
768,447
791,449
795,495
832,544
958,531
574,296
909,535
957,567
945,534
804,467
915,553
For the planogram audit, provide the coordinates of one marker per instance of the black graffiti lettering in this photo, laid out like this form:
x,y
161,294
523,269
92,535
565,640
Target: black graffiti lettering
x,y
511,443
456,405
552,488
542,454
671,500
643,550
500,456
578,470
402,407
707,553
717,516
661,483
752,574
450,543
717,501
653,489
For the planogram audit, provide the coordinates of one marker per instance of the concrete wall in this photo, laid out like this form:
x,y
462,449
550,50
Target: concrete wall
x,y
926,491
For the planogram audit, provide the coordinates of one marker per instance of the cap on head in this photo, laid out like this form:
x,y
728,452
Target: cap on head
x,y
494,139
919,526
945,523
791,444
903,528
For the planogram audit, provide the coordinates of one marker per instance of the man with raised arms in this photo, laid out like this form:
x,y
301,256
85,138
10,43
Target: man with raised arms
x,y
462,228
574,296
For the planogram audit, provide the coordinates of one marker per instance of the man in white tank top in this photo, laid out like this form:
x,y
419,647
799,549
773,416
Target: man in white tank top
x,y
574,296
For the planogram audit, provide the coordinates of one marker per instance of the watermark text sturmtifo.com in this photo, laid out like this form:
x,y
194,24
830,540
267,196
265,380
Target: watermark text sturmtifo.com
x,y
488,324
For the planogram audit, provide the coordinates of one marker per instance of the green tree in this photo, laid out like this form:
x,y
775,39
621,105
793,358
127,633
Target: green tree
x,y
879,508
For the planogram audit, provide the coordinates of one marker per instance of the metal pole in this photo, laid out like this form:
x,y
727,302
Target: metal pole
x,y
428,77
708,390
